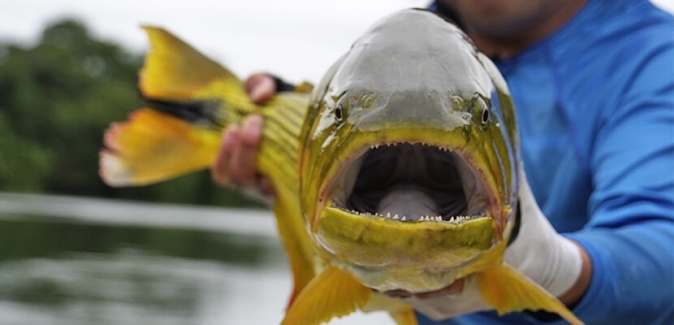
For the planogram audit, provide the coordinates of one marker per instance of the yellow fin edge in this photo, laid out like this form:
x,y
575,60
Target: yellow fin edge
x,y
332,293
507,290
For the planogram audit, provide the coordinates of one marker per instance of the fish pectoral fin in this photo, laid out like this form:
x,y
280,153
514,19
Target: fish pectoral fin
x,y
333,293
404,316
508,290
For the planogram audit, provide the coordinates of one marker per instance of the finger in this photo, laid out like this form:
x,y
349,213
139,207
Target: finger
x,y
243,165
231,140
260,87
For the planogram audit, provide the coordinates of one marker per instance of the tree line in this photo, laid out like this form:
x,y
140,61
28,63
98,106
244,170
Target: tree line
x,y
56,99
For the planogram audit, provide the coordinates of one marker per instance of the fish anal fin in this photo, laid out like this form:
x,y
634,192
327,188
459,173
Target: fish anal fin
x,y
332,293
507,290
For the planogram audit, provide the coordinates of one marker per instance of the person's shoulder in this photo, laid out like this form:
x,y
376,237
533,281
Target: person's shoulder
x,y
606,32
618,34
628,21
616,50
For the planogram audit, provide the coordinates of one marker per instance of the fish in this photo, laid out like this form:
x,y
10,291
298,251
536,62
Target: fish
x,y
398,170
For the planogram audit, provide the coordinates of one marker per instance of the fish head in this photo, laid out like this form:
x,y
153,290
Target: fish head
x,y
408,168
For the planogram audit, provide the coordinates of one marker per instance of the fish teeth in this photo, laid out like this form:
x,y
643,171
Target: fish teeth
x,y
392,217
388,215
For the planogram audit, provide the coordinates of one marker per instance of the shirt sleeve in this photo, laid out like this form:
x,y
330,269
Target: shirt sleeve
x,y
630,235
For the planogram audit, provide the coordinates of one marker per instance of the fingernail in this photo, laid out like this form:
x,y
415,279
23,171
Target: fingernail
x,y
256,94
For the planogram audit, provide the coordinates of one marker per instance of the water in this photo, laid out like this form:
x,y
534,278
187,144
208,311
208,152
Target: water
x,y
82,261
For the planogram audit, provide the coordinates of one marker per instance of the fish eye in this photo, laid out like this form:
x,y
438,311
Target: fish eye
x,y
485,115
481,107
339,112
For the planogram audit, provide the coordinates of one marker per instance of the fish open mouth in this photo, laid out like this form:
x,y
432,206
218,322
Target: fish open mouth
x,y
411,183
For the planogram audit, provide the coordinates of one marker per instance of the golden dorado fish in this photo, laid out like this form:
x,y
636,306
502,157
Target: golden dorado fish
x,y
399,171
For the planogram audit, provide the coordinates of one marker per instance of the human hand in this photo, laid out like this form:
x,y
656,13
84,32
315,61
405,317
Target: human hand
x,y
235,161
555,263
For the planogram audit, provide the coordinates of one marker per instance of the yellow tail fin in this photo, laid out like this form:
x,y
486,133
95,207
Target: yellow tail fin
x,y
175,70
189,100
152,147
507,290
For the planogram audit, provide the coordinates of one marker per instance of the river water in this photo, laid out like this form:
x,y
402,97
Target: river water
x,y
66,260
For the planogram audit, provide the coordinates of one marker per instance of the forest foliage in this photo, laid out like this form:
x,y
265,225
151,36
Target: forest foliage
x,y
56,99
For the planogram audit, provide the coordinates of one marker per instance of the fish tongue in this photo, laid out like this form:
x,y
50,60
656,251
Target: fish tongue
x,y
411,203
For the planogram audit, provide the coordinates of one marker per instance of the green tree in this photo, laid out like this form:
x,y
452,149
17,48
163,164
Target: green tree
x,y
56,99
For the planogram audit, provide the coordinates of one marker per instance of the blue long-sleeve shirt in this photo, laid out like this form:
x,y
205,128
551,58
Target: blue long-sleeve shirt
x,y
595,105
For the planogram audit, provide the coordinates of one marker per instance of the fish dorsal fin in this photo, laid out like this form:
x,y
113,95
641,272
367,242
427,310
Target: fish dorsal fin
x,y
507,290
175,70
333,293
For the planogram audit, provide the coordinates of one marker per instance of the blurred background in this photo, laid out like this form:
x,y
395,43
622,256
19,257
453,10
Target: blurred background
x,y
74,251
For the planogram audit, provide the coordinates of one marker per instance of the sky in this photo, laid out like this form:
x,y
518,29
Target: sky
x,y
295,39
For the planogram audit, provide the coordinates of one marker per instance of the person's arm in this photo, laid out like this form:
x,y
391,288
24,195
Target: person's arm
x,y
630,235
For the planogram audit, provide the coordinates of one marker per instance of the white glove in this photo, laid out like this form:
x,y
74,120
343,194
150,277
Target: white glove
x,y
539,252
